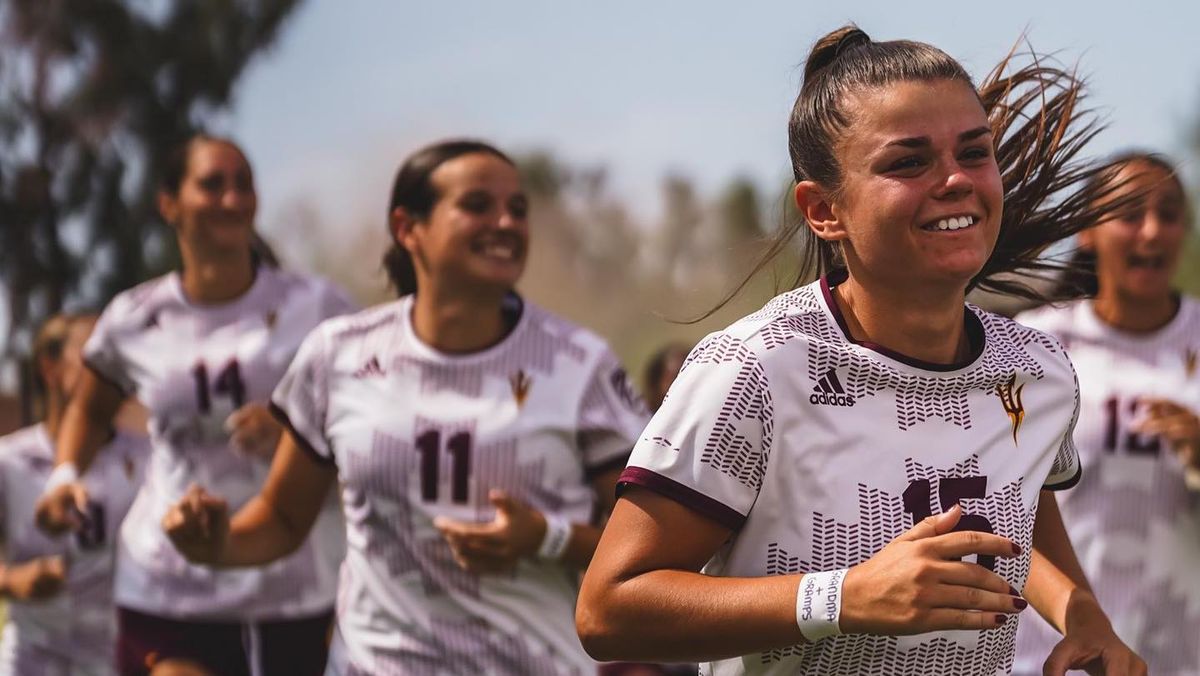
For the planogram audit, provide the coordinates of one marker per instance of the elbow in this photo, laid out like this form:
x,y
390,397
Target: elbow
x,y
598,632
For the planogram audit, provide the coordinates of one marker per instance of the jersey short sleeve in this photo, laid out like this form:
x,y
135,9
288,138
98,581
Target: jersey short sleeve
x,y
301,399
100,352
708,450
611,417
1067,469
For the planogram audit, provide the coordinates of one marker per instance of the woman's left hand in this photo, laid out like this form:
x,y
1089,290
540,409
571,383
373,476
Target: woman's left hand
x,y
496,546
254,431
1178,426
1096,649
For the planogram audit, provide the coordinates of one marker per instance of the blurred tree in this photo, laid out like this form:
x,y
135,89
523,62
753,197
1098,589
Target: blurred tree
x,y
92,93
740,211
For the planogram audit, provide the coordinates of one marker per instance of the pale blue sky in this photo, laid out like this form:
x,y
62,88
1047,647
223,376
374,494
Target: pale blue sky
x,y
703,88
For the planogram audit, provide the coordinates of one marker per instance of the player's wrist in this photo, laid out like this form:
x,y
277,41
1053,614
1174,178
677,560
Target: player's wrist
x,y
819,604
556,539
63,474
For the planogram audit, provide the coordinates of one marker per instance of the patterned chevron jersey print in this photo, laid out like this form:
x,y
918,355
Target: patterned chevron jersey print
x,y
816,451
1133,520
191,366
417,434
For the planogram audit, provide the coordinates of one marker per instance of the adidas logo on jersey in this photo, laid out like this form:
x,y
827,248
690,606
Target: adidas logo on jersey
x,y
830,391
371,368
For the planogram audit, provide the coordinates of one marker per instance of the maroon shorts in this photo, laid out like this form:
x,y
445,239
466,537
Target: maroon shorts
x,y
289,647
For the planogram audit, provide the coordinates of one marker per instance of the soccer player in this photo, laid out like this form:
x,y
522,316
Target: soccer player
x,y
202,349
472,435
1133,518
802,502
59,590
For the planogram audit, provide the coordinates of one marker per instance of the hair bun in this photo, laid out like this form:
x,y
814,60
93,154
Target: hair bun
x,y
833,45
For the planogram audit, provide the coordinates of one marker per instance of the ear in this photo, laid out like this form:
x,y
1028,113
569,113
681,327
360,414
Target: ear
x,y
818,212
168,207
402,223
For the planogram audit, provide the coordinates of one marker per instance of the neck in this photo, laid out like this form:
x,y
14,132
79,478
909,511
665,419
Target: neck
x,y
926,324
216,278
457,323
1136,315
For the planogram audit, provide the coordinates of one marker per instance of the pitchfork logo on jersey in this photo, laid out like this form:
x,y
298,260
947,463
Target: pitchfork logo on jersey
x,y
270,319
830,391
520,383
1010,396
1189,361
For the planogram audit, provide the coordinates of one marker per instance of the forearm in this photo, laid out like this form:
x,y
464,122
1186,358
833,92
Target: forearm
x,y
1057,586
258,535
674,615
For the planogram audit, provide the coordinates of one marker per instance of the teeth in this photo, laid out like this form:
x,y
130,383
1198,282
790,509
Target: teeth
x,y
956,223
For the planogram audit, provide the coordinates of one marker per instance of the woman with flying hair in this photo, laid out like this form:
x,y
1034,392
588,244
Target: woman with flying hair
x,y
857,478
1135,517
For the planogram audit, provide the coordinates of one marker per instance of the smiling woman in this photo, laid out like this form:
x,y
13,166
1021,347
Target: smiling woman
x,y
474,436
806,497
202,348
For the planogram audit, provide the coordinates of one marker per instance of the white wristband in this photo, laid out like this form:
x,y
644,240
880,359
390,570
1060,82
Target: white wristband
x,y
819,604
558,536
63,474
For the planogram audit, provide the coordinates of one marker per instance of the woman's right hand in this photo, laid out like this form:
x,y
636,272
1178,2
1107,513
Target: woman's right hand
x,y
918,583
61,509
198,526
34,580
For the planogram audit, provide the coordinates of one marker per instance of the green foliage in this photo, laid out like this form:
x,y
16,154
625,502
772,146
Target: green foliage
x,y
93,92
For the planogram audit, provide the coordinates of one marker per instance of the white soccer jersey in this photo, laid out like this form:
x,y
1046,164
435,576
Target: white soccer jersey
x,y
1133,521
817,451
192,366
416,434
73,632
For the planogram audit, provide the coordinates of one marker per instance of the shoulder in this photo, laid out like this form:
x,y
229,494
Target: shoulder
x,y
307,286
545,330
1189,309
359,326
27,442
1051,318
793,318
1013,343
139,305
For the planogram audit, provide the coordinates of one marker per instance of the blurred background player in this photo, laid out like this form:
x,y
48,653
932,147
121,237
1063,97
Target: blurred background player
x,y
203,348
1133,518
61,619
830,460
473,434
661,370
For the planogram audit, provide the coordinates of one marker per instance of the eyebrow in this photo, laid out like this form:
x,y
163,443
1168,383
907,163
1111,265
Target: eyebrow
x,y
923,141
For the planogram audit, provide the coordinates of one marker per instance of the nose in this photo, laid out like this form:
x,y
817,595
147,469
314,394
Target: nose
x,y
508,220
1152,226
956,182
235,198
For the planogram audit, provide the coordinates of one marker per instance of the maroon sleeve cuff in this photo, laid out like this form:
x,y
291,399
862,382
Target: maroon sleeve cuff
x,y
301,440
684,495
1069,483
